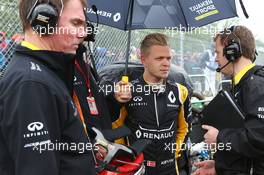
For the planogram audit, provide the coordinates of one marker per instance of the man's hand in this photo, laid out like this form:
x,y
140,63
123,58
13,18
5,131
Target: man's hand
x,y
211,134
206,167
122,92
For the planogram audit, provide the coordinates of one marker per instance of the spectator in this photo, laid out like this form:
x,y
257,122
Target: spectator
x,y
3,49
2,60
15,40
100,57
3,44
207,62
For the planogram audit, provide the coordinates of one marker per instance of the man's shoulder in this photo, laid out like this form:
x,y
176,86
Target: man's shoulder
x,y
181,90
176,85
259,71
255,76
24,70
253,81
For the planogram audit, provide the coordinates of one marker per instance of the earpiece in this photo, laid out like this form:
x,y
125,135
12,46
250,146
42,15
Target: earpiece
x,y
43,17
233,49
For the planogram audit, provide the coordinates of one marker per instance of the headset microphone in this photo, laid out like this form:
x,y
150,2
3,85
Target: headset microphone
x,y
221,68
94,8
91,35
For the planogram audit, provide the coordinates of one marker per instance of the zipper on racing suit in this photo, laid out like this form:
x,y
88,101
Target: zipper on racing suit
x,y
156,109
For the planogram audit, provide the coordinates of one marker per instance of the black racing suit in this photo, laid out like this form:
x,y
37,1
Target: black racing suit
x,y
37,112
246,143
161,117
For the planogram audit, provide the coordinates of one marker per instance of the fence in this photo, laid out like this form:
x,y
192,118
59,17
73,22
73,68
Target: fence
x,y
9,26
110,45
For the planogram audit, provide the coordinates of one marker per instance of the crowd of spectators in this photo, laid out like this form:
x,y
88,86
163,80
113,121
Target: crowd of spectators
x,y
7,46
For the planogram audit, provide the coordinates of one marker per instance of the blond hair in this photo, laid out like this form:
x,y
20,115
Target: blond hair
x,y
151,40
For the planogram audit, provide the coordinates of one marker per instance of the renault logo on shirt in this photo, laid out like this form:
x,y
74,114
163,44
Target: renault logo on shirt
x,y
138,134
35,126
154,135
137,98
172,97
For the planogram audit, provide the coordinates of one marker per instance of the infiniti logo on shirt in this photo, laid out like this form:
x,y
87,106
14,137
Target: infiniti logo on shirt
x,y
35,126
137,98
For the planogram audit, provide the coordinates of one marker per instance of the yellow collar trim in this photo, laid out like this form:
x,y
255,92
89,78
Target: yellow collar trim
x,y
240,74
29,45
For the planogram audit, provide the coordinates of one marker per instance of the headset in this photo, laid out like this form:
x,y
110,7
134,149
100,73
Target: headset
x,y
43,16
232,51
